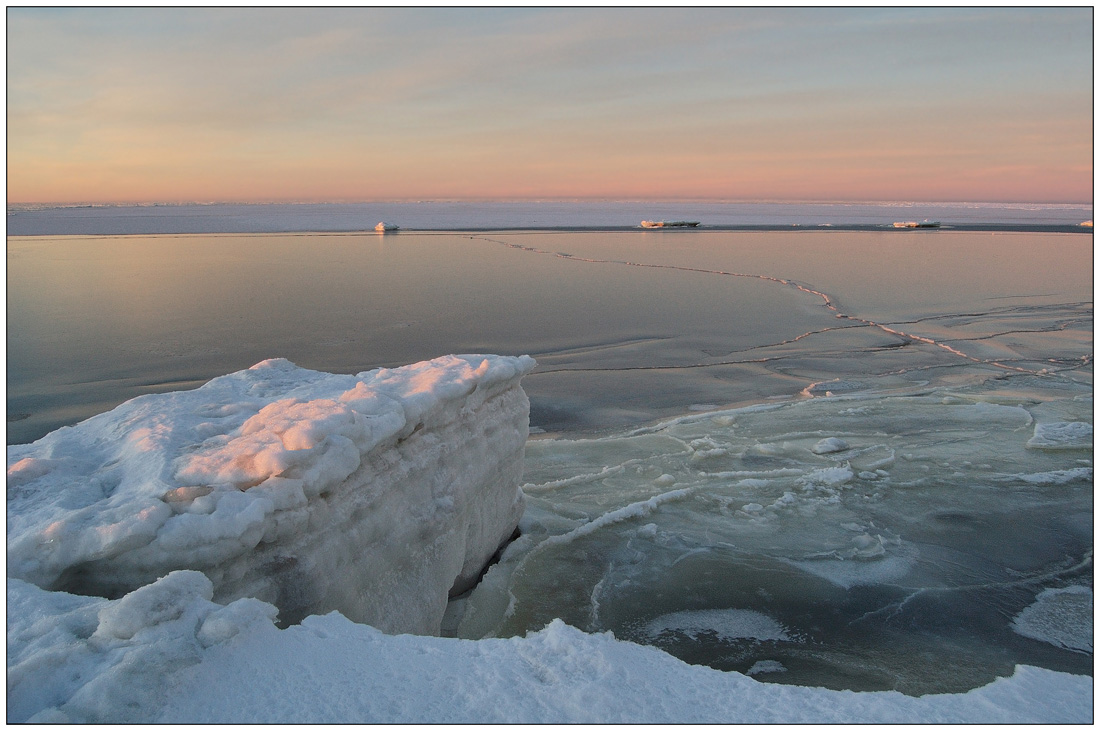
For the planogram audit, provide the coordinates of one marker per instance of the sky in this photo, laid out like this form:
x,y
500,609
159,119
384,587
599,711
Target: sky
x,y
358,104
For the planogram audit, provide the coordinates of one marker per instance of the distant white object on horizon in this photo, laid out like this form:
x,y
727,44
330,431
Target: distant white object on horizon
x,y
383,226
915,224
669,224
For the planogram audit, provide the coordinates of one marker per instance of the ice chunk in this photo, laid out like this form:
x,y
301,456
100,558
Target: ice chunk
x,y
1062,617
1062,435
830,445
1055,477
161,601
766,666
373,494
829,477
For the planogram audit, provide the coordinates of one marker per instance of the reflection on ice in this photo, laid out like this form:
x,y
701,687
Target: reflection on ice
x,y
873,540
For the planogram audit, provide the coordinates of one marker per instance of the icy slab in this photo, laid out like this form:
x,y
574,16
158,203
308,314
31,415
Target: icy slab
x,y
1062,435
830,445
87,659
1062,617
373,494
766,666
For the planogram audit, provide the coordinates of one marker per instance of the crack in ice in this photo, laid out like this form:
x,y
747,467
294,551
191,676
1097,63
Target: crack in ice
x,y
897,606
827,302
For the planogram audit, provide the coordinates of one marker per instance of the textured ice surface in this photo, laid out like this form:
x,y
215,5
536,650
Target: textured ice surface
x,y
1062,617
892,537
724,624
167,654
373,494
1061,435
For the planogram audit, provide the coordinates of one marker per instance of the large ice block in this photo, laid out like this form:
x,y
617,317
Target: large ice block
x,y
374,494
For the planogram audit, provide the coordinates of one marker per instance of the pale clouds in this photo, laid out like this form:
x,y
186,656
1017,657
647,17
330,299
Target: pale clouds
x,y
362,103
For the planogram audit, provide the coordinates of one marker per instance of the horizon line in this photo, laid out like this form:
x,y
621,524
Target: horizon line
x,y
547,199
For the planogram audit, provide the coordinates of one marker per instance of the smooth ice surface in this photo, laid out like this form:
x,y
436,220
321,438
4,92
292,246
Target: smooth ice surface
x,y
628,326
167,654
374,494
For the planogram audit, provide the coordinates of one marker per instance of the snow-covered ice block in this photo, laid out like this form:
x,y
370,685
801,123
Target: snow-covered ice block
x,y
373,494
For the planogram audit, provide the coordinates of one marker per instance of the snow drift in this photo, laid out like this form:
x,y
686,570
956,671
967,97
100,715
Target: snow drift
x,y
373,495
167,654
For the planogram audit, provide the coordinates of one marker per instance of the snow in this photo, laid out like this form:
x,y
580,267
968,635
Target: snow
x,y
374,494
186,659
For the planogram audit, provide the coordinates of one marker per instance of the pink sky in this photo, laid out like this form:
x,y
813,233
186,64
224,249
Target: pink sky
x,y
135,105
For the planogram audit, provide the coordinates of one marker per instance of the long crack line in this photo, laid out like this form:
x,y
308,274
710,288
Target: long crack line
x,y
827,301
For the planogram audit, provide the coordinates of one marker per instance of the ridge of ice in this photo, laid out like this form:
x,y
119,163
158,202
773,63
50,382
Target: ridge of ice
x,y
373,494
1054,477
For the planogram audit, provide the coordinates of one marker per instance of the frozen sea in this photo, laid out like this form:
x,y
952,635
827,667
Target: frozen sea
x,y
795,442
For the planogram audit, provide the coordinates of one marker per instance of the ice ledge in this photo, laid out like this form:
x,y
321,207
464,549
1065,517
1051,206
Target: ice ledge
x,y
370,494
